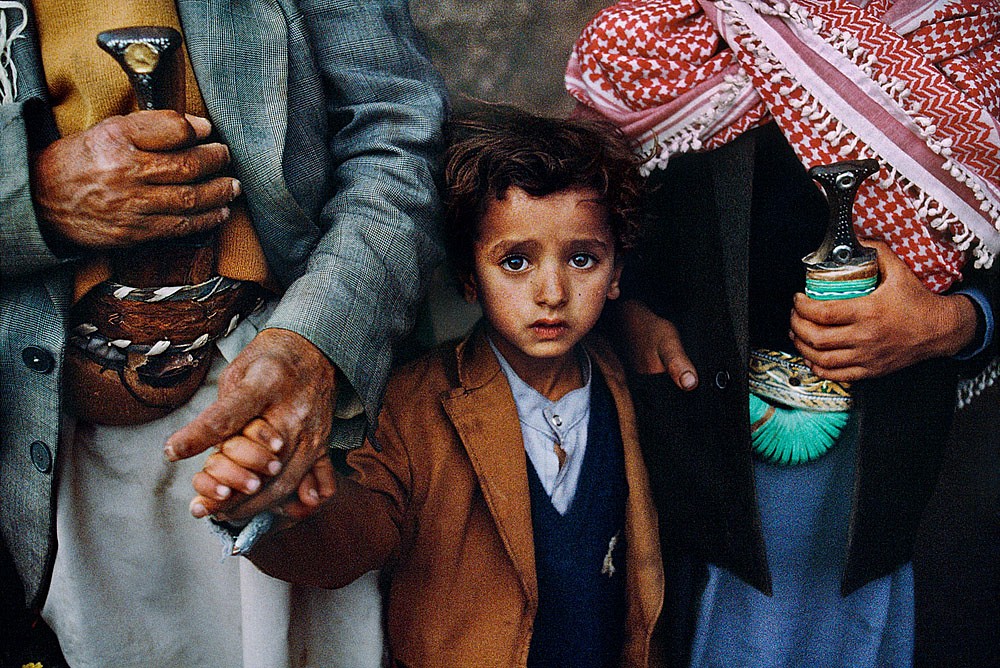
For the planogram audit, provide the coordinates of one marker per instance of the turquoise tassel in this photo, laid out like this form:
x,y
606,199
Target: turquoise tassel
x,y
792,436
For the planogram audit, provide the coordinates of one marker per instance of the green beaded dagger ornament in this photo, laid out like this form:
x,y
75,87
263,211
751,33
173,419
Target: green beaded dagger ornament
x,y
796,416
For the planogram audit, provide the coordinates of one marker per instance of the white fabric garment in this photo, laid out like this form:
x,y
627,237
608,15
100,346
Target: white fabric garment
x,y
137,581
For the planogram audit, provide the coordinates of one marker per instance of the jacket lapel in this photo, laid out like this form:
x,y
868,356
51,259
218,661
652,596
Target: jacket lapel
x,y
25,57
31,84
733,187
483,412
239,52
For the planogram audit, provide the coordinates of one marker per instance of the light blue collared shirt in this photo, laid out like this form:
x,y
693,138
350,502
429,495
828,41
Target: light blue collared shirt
x,y
545,423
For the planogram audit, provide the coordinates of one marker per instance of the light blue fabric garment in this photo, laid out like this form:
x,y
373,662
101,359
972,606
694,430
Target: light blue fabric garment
x,y
980,299
805,512
544,423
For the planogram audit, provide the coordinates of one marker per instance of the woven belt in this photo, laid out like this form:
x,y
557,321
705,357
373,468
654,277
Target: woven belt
x,y
135,354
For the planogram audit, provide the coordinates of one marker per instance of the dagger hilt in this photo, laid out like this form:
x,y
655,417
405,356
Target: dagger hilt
x,y
841,267
150,56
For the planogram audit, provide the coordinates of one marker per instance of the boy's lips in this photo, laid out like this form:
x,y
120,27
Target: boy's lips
x,y
548,329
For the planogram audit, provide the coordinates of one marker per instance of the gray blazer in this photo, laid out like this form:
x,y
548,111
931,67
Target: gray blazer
x,y
333,113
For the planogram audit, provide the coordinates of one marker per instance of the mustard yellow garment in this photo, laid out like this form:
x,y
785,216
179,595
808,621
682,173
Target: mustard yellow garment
x,y
86,85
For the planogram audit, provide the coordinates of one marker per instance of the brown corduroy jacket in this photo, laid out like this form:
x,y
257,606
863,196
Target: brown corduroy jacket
x,y
444,509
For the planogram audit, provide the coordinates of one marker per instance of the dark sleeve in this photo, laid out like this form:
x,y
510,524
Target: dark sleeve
x,y
357,530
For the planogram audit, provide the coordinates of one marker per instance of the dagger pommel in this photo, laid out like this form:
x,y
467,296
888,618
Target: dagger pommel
x,y
151,57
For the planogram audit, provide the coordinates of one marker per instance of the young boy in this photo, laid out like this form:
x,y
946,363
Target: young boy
x,y
508,504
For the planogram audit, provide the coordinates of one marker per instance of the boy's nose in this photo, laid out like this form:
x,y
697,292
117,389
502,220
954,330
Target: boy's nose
x,y
551,288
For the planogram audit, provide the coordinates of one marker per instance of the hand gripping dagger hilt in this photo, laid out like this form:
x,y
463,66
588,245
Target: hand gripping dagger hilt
x,y
152,58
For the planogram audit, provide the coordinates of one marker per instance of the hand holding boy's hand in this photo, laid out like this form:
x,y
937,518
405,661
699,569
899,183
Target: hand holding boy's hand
x,y
898,325
285,379
242,462
654,345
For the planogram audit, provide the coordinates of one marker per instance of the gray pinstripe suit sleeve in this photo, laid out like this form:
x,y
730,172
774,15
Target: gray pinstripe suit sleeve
x,y
386,105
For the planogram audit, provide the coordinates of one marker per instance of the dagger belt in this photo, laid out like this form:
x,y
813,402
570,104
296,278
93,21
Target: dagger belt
x,y
135,354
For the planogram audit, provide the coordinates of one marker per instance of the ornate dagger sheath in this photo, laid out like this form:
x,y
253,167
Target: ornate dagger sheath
x,y
141,343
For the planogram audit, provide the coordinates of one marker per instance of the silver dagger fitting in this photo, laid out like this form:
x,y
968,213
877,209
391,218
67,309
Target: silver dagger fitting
x,y
841,258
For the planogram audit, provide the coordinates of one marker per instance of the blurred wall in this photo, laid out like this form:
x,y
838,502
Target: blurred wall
x,y
505,51
512,52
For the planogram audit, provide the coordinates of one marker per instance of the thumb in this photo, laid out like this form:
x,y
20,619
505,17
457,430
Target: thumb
x,y
678,364
224,418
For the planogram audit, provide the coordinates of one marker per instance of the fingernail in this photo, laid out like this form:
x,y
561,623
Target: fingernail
x,y
253,485
198,510
169,453
688,380
237,188
274,467
201,125
314,495
222,491
277,444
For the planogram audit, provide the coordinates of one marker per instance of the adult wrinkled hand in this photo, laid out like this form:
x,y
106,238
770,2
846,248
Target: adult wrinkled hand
x,y
286,381
131,179
899,324
653,345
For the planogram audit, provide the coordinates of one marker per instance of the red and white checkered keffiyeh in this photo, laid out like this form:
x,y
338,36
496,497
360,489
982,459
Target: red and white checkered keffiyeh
x,y
912,83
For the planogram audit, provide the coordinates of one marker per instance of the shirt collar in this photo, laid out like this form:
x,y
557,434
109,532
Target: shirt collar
x,y
536,411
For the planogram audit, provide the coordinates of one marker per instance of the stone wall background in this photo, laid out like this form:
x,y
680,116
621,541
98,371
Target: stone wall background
x,y
512,52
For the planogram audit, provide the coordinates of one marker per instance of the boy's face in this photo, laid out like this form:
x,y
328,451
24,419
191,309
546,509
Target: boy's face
x,y
543,267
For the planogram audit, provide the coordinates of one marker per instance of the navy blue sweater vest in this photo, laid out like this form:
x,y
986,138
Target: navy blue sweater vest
x,y
580,556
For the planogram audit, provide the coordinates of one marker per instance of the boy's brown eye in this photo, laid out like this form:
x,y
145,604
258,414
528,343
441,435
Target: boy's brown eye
x,y
583,260
514,263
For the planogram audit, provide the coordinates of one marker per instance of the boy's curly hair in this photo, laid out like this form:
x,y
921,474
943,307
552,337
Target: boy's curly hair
x,y
500,147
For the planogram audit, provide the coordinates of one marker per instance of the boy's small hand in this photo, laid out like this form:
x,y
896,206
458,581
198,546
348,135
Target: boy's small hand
x,y
318,485
242,462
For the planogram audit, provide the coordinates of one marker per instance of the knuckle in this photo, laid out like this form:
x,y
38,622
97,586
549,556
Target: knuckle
x,y
119,236
187,198
183,226
113,127
187,165
175,121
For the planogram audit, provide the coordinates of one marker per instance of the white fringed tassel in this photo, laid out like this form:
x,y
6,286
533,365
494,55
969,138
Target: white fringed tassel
x,y
8,71
970,389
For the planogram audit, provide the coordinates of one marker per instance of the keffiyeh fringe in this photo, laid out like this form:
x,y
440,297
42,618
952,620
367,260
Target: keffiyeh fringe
x,y
969,389
8,35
